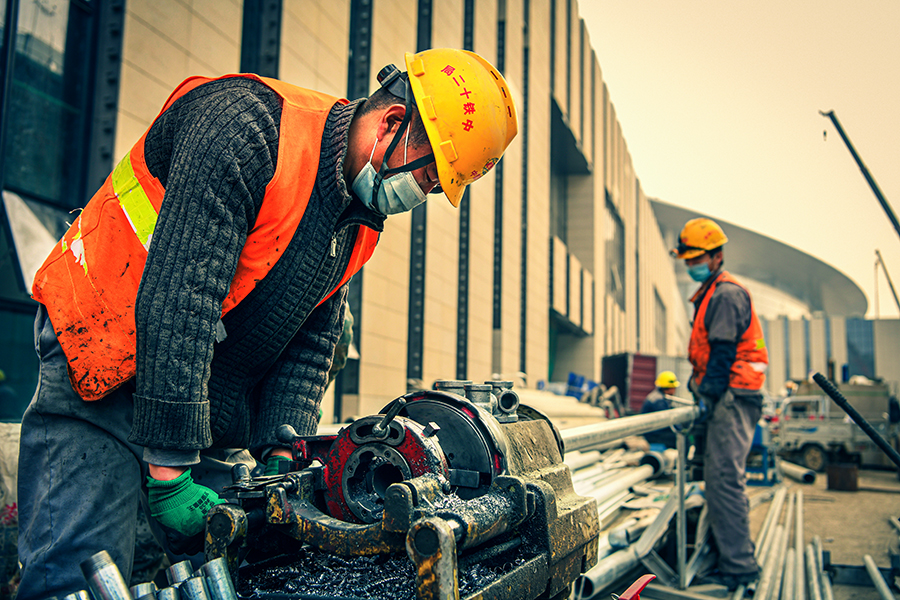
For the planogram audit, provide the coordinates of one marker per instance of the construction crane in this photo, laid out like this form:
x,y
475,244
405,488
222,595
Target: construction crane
x,y
865,171
880,261
878,194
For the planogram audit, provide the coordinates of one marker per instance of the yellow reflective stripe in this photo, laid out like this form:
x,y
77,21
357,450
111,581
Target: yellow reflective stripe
x,y
134,201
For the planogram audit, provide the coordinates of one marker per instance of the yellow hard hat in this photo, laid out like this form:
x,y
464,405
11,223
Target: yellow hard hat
x,y
467,111
667,379
699,236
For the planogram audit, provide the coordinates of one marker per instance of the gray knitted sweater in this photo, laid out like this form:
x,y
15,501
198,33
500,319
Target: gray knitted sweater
x,y
215,151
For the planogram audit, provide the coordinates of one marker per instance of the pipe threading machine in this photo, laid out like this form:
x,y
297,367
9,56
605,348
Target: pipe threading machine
x,y
460,473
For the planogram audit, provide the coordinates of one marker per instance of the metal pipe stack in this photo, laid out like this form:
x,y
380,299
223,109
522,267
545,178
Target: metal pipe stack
x,y
212,581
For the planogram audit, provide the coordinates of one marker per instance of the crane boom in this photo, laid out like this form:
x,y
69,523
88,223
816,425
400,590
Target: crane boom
x,y
890,283
865,171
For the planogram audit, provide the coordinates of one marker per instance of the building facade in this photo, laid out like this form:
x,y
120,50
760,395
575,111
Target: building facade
x,y
554,259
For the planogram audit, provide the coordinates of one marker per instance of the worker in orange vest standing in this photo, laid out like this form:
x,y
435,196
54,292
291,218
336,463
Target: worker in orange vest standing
x,y
729,356
194,305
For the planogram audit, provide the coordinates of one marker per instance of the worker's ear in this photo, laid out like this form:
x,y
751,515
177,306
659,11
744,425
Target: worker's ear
x,y
391,119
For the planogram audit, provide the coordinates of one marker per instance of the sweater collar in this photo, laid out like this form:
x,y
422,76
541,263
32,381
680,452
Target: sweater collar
x,y
341,203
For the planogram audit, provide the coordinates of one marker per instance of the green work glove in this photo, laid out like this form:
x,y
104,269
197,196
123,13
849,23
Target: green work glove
x,y
181,504
273,462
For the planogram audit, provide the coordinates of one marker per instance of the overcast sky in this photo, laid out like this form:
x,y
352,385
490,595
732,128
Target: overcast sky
x,y
719,102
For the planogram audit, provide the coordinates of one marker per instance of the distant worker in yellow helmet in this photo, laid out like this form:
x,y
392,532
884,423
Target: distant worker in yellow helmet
x,y
666,385
729,357
195,303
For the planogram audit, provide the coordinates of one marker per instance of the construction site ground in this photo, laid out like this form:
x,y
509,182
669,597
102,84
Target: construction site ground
x,y
850,524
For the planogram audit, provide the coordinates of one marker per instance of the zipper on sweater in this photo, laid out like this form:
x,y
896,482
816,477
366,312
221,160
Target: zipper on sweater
x,y
333,245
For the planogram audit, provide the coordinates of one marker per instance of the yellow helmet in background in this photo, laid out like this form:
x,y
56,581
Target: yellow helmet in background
x,y
697,237
467,111
667,379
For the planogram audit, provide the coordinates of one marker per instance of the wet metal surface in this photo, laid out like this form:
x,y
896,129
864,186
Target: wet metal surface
x,y
312,575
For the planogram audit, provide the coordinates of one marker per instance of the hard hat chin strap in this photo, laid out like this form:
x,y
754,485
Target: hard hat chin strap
x,y
384,172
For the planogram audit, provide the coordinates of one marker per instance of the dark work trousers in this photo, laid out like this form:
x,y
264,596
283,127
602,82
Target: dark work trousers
x,y
80,481
729,435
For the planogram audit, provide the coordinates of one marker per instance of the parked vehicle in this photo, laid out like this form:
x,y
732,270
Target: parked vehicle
x,y
813,432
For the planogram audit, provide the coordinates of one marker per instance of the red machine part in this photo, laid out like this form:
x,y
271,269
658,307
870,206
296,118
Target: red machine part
x,y
634,590
359,465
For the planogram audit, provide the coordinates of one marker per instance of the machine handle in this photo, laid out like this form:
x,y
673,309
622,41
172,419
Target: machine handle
x,y
380,430
286,434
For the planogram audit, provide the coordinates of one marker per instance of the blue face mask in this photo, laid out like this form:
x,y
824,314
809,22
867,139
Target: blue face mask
x,y
699,272
396,194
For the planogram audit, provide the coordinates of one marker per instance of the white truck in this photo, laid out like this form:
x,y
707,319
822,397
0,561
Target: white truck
x,y
812,431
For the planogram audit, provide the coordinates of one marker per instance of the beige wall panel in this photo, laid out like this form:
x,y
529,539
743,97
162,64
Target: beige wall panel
x,y
314,45
227,16
393,34
590,115
629,204
442,241
577,76
587,301
385,297
481,229
775,343
797,350
575,293
818,347
581,233
160,62
485,34
164,42
383,374
506,361
441,289
137,109
599,222
215,40
538,265
560,255
573,355
447,31
838,343
887,349
481,278
657,276
559,53
128,131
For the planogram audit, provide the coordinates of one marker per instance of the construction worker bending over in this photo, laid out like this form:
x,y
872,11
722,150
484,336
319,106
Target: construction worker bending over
x,y
666,384
729,357
194,305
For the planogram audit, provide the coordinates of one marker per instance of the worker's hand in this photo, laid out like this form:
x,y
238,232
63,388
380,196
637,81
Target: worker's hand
x,y
180,504
272,465
704,409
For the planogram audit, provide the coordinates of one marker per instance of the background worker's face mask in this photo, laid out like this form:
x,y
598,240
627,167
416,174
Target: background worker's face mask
x,y
391,195
699,272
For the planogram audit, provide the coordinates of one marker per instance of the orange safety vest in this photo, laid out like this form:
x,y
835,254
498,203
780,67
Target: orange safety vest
x,y
749,369
89,282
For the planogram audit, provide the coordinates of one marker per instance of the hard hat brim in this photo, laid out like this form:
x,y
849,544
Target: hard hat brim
x,y
694,253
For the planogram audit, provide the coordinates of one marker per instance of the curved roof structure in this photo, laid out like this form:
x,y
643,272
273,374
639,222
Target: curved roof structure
x,y
819,285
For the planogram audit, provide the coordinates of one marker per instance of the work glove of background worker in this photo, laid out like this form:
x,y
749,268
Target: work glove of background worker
x,y
180,505
273,463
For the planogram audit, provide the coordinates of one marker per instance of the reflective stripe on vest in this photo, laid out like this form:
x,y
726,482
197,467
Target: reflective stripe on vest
x,y
752,359
134,201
